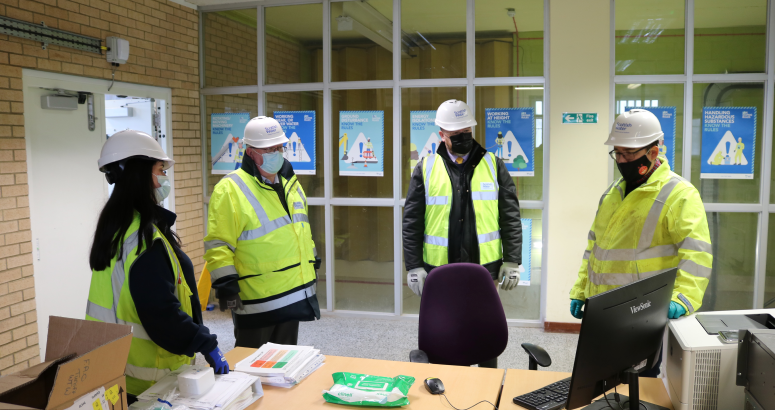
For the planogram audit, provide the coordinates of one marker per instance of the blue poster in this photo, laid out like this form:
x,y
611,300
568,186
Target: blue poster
x,y
728,142
424,136
299,127
527,246
666,116
226,133
361,143
510,134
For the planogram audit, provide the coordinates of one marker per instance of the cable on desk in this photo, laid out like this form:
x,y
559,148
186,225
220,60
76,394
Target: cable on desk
x,y
467,408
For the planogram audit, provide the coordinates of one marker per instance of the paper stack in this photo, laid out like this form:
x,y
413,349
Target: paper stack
x,y
282,365
233,391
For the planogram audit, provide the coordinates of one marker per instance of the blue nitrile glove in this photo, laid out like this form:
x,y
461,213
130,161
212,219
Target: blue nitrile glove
x,y
676,310
575,308
216,360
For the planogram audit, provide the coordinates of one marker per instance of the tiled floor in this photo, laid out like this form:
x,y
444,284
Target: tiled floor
x,y
393,340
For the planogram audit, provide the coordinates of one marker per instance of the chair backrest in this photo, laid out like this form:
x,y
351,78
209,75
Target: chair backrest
x,y
461,316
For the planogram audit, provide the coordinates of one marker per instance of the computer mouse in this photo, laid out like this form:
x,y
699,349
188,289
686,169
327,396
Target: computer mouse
x,y
434,385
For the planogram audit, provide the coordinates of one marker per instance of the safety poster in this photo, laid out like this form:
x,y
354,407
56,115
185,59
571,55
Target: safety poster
x,y
424,136
299,127
361,143
666,117
226,133
527,232
510,134
728,142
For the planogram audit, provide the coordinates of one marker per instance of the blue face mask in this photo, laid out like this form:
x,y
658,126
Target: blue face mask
x,y
272,162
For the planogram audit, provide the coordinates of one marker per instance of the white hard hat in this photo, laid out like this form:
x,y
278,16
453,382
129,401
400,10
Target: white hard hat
x,y
454,115
264,132
635,129
131,143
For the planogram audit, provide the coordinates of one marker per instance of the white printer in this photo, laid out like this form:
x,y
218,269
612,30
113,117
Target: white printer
x,y
700,367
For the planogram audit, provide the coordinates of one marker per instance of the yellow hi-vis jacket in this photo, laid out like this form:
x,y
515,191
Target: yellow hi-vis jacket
x,y
658,226
251,238
110,301
438,205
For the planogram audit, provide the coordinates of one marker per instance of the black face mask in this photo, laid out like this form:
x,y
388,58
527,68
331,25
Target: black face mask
x,y
462,143
634,170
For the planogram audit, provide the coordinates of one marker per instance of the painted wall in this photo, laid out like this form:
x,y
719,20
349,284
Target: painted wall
x,y
579,75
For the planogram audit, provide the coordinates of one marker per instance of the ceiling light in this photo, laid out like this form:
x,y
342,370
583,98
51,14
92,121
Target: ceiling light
x,y
633,86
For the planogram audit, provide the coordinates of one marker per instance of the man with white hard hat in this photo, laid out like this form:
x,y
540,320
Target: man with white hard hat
x,y
259,247
461,206
649,221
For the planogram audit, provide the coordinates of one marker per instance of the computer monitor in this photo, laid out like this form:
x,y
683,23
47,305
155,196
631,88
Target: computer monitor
x,y
621,335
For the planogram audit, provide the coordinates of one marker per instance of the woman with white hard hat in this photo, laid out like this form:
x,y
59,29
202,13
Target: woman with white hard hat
x,y
140,275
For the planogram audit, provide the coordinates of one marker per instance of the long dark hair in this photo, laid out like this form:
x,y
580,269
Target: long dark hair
x,y
133,191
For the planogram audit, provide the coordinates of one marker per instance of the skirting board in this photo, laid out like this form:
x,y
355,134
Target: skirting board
x,y
562,327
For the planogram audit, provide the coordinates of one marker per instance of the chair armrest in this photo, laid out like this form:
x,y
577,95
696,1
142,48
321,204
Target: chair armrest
x,y
418,356
537,355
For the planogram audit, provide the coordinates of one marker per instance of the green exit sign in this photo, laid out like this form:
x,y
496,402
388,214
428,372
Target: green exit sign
x,y
579,118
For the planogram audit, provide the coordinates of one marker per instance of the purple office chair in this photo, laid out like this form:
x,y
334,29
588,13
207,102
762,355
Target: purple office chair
x,y
462,320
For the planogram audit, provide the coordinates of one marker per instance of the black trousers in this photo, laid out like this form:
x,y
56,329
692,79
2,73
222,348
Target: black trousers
x,y
286,333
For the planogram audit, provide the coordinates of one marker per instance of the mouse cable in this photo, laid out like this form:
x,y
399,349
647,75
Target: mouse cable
x,y
483,401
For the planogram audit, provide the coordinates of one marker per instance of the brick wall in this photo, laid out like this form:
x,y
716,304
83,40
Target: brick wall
x,y
163,37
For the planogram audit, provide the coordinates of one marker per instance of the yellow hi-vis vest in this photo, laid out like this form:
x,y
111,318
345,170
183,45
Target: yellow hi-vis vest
x,y
438,205
658,226
250,234
110,301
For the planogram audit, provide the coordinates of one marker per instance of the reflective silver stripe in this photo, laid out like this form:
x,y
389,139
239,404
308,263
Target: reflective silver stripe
x,y
488,158
303,198
632,254
275,304
146,373
300,218
586,255
693,268
607,191
138,330
315,251
484,196
223,272
435,200
429,161
621,193
267,226
217,243
686,302
487,237
436,240
118,276
696,245
618,279
100,313
652,219
591,236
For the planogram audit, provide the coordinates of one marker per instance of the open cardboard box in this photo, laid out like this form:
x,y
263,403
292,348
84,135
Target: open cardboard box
x,y
81,356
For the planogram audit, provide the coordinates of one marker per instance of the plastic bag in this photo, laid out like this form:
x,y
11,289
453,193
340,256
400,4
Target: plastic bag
x,y
165,403
356,389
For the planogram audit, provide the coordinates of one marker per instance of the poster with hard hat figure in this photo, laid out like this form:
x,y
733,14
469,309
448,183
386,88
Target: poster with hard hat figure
x,y
226,148
424,136
361,143
299,127
510,134
728,142
666,117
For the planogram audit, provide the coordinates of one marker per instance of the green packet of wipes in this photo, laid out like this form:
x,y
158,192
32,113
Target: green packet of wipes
x,y
356,389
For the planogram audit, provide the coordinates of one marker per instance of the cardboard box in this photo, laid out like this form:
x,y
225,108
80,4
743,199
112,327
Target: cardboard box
x,y
81,356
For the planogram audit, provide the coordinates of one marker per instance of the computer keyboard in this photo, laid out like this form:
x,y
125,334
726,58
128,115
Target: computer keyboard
x,y
549,397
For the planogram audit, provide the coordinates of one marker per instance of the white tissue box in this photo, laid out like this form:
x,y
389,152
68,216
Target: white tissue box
x,y
196,381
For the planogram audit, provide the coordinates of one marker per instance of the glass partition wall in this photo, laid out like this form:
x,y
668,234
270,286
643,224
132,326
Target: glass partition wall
x,y
357,99
703,67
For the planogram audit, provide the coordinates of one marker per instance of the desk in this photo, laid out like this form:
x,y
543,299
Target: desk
x,y
464,385
519,382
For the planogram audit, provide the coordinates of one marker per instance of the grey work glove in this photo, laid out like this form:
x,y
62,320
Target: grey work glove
x,y
231,303
415,278
509,275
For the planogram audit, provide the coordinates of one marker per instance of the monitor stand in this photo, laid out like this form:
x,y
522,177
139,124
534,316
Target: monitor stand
x,y
627,403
